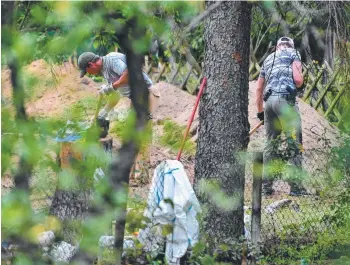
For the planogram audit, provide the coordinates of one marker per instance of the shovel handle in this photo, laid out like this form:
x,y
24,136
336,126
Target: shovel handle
x,y
256,127
99,103
201,89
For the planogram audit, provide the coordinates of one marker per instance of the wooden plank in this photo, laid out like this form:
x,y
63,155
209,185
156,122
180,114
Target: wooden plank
x,y
309,88
328,98
184,82
161,73
172,78
328,67
325,90
251,68
334,102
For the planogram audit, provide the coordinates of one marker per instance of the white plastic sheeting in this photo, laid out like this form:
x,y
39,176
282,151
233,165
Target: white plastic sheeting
x,y
63,252
46,238
171,201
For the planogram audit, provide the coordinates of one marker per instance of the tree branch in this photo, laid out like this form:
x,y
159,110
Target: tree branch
x,y
262,37
198,19
186,50
25,15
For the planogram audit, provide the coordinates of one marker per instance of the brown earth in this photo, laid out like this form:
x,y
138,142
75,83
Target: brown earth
x,y
175,104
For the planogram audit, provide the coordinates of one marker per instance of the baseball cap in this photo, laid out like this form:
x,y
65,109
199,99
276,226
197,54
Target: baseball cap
x,y
286,40
83,61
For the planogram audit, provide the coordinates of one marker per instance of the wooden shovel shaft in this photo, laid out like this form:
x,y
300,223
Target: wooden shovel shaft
x,y
256,127
99,103
201,89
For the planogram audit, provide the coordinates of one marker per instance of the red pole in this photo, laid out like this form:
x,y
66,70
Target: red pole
x,y
204,82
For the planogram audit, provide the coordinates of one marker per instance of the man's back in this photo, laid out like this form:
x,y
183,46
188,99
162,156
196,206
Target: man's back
x,y
277,70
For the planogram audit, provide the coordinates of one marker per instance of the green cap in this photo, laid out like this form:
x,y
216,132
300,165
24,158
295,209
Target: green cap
x,y
83,61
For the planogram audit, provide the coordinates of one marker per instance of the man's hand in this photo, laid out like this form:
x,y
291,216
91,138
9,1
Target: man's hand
x,y
260,116
106,89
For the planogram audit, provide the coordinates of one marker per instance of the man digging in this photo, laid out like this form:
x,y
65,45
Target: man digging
x,y
114,70
282,74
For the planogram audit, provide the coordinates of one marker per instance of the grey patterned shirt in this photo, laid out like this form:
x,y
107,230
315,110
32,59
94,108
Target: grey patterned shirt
x,y
114,64
277,70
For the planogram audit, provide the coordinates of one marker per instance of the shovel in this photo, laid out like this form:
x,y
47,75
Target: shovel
x,y
99,103
204,82
256,127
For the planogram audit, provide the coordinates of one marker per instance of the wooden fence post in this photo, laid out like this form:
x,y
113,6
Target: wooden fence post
x,y
309,88
325,90
334,102
256,205
184,82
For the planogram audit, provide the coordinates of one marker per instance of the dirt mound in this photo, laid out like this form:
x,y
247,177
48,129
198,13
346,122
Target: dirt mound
x,y
175,104
57,87
64,87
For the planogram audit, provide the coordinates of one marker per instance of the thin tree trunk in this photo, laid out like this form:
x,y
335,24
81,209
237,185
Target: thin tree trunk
x,y
223,122
23,174
329,49
123,162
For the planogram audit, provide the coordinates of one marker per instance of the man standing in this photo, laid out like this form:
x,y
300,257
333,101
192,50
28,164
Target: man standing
x,y
282,74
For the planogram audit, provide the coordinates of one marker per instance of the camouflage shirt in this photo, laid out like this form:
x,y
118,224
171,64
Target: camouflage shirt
x,y
114,64
277,70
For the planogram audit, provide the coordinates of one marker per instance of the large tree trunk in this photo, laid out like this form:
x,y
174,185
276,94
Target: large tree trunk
x,y
223,121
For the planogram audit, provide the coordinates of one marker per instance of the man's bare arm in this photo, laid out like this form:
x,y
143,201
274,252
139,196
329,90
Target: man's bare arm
x,y
298,73
259,94
122,81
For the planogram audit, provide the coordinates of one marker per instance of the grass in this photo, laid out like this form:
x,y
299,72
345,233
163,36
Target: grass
x,y
172,137
117,129
82,109
35,86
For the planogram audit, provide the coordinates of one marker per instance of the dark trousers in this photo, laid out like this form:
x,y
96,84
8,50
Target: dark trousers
x,y
281,115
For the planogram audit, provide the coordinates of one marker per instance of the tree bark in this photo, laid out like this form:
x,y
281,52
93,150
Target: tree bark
x,y
223,121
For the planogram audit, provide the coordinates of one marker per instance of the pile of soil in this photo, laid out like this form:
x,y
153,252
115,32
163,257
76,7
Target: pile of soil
x,y
63,88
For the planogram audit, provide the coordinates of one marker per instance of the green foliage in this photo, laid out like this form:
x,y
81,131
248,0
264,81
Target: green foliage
x,y
83,109
212,189
295,245
173,136
53,31
317,247
224,251
196,38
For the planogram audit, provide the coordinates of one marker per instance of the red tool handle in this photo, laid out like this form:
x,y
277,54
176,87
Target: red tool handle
x,y
201,89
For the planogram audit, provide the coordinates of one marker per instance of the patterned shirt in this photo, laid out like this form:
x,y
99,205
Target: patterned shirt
x,y
114,64
277,70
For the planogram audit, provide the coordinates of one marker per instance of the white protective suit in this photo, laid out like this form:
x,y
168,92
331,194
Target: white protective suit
x,y
171,201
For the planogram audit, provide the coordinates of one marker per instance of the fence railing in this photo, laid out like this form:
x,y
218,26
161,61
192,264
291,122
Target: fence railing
x,y
283,218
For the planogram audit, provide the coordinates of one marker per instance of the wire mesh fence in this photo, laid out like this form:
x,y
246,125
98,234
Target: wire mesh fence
x,y
284,218
296,220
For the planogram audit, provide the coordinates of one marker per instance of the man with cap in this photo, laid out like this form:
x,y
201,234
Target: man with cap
x,y
281,73
114,70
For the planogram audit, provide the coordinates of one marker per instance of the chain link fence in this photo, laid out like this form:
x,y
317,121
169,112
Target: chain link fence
x,y
296,220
